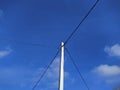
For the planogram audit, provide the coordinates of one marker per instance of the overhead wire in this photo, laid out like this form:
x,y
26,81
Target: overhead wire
x,y
43,74
77,69
84,18
66,41
69,37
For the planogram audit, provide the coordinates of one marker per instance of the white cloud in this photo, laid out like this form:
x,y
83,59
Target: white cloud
x,y
5,52
54,70
113,50
111,74
51,78
25,77
107,71
52,74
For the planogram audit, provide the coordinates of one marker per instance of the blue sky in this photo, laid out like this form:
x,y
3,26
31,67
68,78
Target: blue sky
x,y
95,47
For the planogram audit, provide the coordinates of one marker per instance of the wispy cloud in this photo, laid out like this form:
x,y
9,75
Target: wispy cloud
x,y
113,50
20,77
52,75
16,76
53,72
5,52
26,77
111,74
107,71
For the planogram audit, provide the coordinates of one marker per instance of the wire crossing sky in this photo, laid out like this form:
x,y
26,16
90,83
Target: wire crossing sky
x,y
45,71
76,67
76,29
34,29
68,51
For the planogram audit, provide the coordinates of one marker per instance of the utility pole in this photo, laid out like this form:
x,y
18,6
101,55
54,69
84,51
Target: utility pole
x,y
61,77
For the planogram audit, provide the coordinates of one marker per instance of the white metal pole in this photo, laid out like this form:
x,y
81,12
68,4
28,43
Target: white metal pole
x,y
61,82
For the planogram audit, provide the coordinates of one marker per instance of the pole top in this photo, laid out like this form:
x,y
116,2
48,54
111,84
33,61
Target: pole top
x,y
62,43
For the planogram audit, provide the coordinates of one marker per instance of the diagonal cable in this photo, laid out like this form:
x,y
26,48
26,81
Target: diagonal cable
x,y
84,18
76,67
38,81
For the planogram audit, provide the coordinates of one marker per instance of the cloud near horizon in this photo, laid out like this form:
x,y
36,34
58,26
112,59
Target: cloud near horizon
x,y
111,74
113,50
107,70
